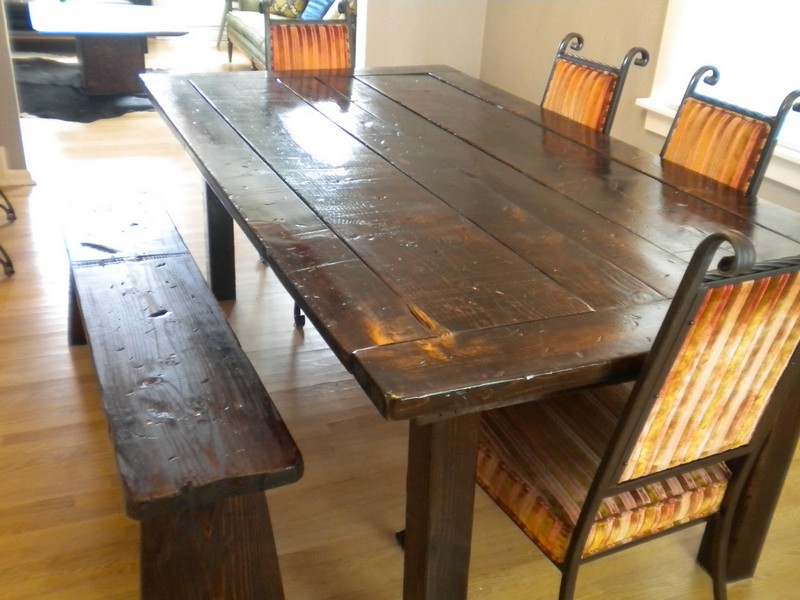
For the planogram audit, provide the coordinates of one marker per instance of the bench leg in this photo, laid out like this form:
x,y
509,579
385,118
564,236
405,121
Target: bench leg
x,y
224,550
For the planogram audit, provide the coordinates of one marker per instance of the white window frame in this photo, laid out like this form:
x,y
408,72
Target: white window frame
x,y
753,43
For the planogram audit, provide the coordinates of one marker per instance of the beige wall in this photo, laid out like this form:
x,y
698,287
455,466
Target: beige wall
x,y
511,43
422,32
522,36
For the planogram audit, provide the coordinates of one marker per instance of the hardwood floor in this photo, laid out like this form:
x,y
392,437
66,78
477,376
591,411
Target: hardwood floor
x,y
63,531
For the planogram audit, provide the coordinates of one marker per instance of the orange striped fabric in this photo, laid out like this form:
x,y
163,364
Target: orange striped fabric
x,y
537,462
715,142
310,47
580,93
735,352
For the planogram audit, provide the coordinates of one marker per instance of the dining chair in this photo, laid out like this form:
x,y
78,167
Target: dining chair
x,y
310,45
584,90
722,141
599,470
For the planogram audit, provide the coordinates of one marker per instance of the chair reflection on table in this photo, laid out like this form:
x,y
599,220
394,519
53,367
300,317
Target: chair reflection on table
x,y
303,47
724,142
593,472
584,90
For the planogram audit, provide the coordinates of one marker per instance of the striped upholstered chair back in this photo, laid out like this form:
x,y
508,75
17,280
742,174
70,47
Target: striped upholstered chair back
x,y
710,395
723,142
306,45
589,473
584,90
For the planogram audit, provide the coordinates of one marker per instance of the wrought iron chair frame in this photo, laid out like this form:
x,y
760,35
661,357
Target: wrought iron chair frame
x,y
11,215
733,269
709,75
7,207
5,261
574,41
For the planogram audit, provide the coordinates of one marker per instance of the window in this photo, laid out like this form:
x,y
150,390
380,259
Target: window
x,y
753,44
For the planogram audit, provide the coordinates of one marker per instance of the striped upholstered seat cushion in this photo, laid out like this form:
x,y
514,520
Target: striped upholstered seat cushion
x,y
310,47
715,142
537,461
580,93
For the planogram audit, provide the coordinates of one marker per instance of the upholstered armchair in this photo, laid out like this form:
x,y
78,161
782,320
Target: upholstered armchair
x,y
303,35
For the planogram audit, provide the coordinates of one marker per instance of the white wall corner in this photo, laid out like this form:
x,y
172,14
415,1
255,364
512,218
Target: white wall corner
x,y
12,177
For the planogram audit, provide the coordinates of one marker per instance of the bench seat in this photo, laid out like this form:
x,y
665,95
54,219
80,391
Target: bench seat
x,y
196,436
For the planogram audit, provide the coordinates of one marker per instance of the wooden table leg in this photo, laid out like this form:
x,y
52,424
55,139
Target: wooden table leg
x,y
76,334
219,244
111,64
754,515
440,488
221,550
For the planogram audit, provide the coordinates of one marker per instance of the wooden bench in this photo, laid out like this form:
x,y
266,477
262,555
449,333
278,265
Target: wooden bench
x,y
196,436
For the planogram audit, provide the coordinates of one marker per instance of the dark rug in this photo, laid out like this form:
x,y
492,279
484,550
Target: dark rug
x,y
52,90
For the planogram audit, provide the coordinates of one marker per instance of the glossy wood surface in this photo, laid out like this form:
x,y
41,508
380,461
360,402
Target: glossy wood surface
x,y
189,418
63,530
454,254
434,216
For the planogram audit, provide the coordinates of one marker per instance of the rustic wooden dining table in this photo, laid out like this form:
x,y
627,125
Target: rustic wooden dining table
x,y
459,249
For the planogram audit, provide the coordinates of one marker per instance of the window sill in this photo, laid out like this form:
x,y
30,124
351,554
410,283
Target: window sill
x,y
783,168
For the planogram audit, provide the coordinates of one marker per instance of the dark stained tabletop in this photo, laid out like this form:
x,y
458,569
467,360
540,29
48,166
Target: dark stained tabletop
x,y
457,248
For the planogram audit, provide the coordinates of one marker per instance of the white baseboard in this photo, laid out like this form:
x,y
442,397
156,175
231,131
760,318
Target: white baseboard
x,y
12,177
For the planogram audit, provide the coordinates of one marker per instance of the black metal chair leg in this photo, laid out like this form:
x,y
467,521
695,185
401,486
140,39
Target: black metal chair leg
x,y
7,207
5,260
299,317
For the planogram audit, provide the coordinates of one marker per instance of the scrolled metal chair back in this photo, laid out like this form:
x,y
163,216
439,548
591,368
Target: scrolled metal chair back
x,y
585,90
722,141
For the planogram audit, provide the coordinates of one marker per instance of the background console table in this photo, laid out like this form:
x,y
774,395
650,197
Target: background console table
x,y
21,32
111,38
